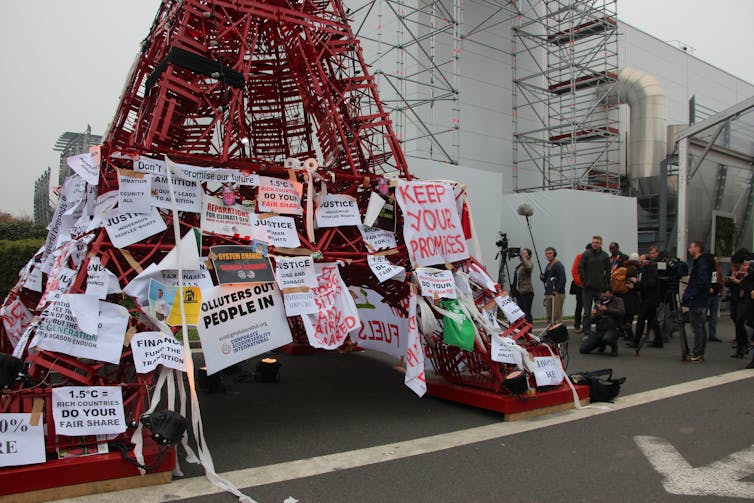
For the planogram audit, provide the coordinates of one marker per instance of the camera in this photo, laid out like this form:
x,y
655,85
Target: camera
x,y
670,271
505,250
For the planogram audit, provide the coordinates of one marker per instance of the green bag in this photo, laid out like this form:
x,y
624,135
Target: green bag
x,y
455,333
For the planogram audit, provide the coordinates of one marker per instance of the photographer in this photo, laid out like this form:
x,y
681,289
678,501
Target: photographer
x,y
523,291
650,299
607,315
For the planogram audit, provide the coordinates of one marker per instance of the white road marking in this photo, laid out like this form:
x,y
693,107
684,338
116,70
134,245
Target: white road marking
x,y
281,472
721,478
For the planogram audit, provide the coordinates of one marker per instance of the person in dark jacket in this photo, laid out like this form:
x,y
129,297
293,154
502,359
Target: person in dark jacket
x,y
617,257
696,297
594,271
608,315
554,278
649,290
524,291
743,279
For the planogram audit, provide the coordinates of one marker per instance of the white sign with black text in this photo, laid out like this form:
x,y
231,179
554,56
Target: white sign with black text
x,y
548,371
436,283
125,229
88,410
382,268
20,442
150,349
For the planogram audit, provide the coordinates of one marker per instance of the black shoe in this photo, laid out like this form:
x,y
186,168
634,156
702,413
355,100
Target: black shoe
x,y
715,339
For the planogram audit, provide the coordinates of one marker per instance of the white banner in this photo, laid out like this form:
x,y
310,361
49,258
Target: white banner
x,y
22,443
279,195
226,220
295,272
195,174
125,229
436,283
16,319
84,166
431,226
383,328
59,331
100,281
383,269
88,410
502,349
510,309
336,315
281,231
150,349
134,191
300,303
377,239
548,370
336,210
240,322
415,378
58,284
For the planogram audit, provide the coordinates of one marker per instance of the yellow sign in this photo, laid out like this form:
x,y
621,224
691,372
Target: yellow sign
x,y
192,303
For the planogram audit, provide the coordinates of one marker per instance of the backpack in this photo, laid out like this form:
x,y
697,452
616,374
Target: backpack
x,y
619,280
602,386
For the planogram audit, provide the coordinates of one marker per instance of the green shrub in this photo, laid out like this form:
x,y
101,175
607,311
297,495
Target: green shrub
x,y
13,257
14,231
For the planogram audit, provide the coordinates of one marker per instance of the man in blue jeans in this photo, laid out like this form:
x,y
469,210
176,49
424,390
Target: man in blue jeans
x,y
696,297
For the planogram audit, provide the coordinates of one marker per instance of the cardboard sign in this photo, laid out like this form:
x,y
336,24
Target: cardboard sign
x,y
150,349
436,283
16,319
134,191
510,309
279,195
22,443
84,166
100,281
383,328
298,303
88,410
431,226
382,268
548,370
415,378
377,239
295,272
336,315
281,231
336,210
502,350
125,229
240,264
238,323
226,220
59,331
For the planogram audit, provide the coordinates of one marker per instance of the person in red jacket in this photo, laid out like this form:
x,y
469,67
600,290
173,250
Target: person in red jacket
x,y
576,290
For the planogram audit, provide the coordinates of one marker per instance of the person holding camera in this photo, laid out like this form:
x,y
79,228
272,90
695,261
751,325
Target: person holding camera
x,y
696,297
649,294
607,314
742,277
554,278
523,291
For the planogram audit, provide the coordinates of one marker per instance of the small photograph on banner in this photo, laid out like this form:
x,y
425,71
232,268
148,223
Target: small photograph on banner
x,y
241,264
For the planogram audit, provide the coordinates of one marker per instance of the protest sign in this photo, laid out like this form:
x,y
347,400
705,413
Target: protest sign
x,y
336,315
85,308
510,309
240,264
382,327
58,284
88,410
336,210
436,283
548,371
58,229
226,220
415,378
134,191
240,322
373,208
150,349
125,229
279,195
377,239
188,193
195,174
103,207
84,166
386,218
22,443
58,331
138,288
16,318
297,303
191,300
382,268
431,226
295,272
100,281
281,231
502,349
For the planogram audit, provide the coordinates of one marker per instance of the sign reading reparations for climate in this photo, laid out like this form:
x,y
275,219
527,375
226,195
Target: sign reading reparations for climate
x,y
431,227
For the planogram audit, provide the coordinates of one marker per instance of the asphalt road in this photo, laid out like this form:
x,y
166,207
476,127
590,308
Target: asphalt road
x,y
343,405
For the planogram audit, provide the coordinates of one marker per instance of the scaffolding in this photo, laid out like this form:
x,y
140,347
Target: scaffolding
x,y
565,67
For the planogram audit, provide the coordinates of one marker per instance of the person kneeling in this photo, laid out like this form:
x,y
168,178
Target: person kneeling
x,y
607,315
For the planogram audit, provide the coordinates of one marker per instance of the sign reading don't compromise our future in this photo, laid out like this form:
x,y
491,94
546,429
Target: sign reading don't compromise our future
x,y
238,322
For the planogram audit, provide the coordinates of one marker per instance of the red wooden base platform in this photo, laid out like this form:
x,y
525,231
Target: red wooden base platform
x,y
559,398
68,477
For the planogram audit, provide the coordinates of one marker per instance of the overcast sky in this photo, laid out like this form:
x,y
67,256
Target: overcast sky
x,y
65,62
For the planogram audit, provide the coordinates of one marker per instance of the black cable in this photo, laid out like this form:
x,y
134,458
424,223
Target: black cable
x,y
163,450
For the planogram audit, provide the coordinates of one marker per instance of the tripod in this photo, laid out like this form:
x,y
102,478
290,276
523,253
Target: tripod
x,y
672,301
